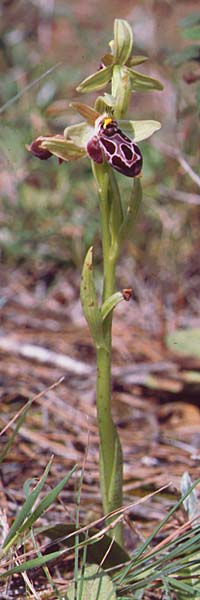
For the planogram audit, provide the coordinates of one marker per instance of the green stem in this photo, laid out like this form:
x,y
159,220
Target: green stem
x,y
110,447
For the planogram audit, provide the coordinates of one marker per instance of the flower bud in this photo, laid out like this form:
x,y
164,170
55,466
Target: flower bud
x,y
36,149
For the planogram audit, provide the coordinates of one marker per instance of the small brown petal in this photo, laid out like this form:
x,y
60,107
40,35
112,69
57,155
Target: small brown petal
x,y
127,293
36,147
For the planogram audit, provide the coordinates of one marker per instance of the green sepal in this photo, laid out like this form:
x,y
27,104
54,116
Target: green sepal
x,y
123,41
62,148
87,112
89,299
132,213
110,304
139,130
96,81
136,60
121,89
143,83
103,103
79,134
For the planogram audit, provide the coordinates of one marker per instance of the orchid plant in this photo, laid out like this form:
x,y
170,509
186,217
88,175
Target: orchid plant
x,y
110,141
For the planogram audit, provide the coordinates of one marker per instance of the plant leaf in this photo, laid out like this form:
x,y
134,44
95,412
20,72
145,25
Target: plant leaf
x,y
110,304
139,130
46,502
97,549
89,299
32,563
25,509
94,584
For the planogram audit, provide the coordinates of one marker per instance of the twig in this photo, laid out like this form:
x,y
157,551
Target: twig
x,y
42,355
170,151
180,196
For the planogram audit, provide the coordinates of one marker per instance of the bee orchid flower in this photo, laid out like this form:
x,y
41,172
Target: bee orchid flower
x,y
101,137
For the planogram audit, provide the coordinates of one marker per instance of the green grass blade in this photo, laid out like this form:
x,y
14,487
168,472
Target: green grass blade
x,y
46,569
47,501
25,510
138,559
32,563
28,87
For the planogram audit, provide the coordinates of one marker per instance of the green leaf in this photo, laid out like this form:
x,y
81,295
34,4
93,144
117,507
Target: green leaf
x,y
94,584
79,134
185,342
143,83
97,548
110,304
139,130
192,33
87,112
96,81
32,563
89,299
123,41
62,148
46,502
25,510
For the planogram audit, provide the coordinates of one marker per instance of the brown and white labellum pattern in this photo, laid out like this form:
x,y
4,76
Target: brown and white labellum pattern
x,y
113,146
